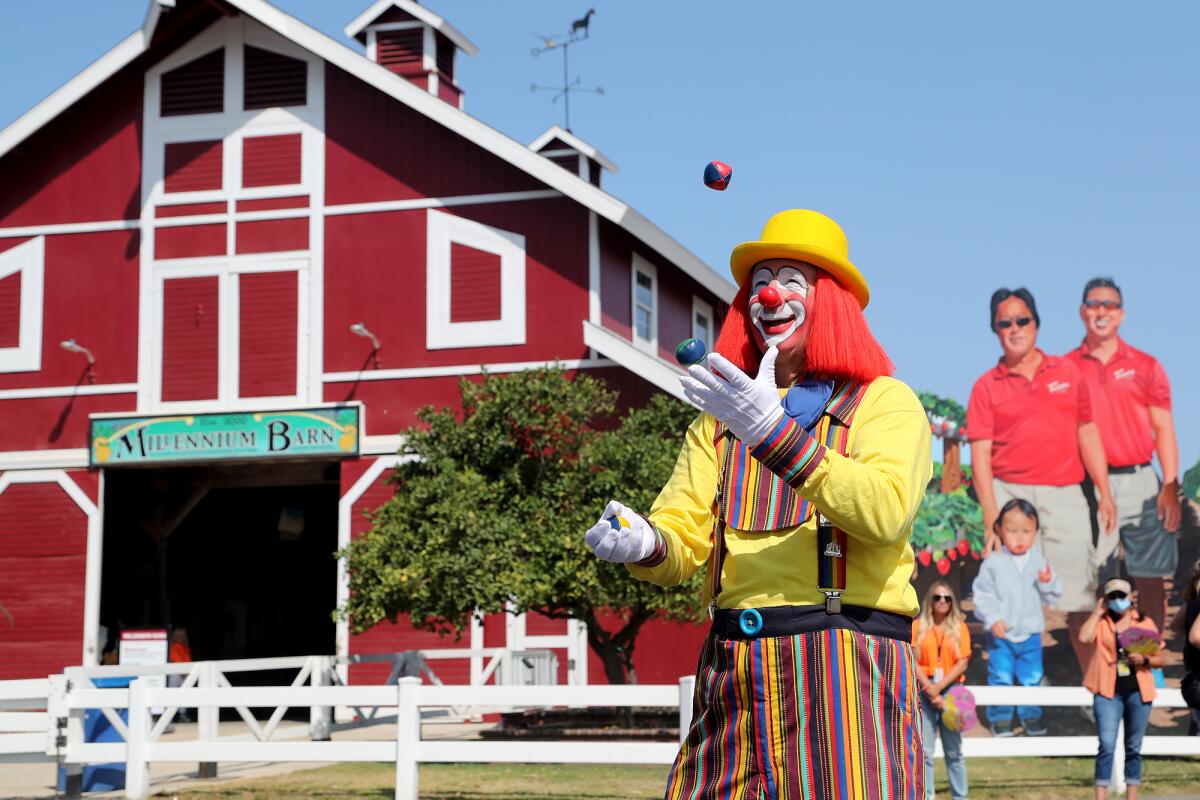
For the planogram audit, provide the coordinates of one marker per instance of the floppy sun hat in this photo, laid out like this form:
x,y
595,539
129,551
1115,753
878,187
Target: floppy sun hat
x,y
807,236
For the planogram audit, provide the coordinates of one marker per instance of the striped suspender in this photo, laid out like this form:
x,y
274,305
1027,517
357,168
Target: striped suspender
x,y
832,542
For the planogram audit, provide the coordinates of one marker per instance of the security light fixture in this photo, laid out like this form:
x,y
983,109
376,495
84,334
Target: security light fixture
x,y
75,347
359,329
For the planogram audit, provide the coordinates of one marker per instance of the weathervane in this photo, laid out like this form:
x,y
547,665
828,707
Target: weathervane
x,y
578,32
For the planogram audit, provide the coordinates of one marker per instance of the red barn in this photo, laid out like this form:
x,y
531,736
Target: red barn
x,y
235,257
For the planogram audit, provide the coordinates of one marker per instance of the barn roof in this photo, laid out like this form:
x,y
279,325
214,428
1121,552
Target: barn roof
x,y
592,197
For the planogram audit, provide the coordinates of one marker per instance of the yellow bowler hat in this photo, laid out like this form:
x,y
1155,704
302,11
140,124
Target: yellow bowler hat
x,y
805,236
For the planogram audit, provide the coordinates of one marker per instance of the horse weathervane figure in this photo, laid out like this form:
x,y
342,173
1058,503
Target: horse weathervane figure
x,y
579,31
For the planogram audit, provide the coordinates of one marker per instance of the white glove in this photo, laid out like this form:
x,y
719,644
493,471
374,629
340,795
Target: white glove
x,y
749,408
625,545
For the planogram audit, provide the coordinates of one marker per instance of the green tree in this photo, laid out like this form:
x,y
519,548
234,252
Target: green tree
x,y
493,503
1191,482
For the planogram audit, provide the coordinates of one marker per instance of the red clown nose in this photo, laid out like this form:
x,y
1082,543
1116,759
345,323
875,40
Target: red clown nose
x,y
770,297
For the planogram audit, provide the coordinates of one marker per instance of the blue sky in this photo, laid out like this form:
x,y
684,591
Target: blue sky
x,y
962,146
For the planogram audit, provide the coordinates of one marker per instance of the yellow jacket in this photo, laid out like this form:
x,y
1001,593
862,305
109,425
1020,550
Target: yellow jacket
x,y
873,496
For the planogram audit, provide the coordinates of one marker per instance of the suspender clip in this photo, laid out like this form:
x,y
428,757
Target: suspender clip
x,y
833,602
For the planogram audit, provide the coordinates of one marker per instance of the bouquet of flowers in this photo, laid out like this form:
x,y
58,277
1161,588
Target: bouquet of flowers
x,y
1140,640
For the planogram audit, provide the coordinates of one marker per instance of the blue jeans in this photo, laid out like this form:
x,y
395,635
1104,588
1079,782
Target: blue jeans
x,y
1109,713
1012,664
956,766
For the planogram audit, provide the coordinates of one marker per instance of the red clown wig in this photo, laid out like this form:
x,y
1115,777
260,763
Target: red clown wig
x,y
840,345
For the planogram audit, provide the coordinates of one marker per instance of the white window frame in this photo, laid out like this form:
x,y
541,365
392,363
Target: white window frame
x,y
228,272
231,126
642,265
443,230
702,307
29,259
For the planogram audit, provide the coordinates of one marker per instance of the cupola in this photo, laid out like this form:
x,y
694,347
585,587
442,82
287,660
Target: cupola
x,y
413,42
572,154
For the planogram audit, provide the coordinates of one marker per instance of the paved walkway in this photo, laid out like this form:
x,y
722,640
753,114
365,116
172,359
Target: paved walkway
x,y
30,781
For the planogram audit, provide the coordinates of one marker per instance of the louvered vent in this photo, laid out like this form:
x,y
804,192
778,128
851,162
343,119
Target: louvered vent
x,y
198,87
445,56
400,51
274,80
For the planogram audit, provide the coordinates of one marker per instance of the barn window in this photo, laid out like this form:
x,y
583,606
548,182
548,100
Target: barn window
x,y
267,309
274,80
475,284
702,322
192,166
191,338
21,281
645,303
197,87
401,51
271,160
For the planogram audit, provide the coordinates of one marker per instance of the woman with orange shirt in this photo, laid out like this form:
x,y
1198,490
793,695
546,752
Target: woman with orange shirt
x,y
1121,682
943,648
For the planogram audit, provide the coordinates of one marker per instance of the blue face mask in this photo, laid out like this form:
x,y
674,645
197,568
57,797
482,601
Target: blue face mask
x,y
1119,606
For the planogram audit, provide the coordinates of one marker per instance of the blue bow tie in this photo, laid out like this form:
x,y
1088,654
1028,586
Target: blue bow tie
x,y
805,401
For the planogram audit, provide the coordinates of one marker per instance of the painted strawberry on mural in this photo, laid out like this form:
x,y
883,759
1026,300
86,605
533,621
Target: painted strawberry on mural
x,y
924,557
963,546
943,565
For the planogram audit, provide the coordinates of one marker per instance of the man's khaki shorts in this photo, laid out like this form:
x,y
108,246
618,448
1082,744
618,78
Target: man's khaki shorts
x,y
1149,550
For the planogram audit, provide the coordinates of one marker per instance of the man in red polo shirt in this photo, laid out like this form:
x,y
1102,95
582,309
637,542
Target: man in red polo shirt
x,y
1032,437
1131,403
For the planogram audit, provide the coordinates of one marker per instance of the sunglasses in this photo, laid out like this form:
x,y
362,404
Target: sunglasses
x,y
937,598
1021,322
1107,305
1115,595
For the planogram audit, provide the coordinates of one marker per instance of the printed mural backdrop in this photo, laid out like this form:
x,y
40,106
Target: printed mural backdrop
x,y
948,541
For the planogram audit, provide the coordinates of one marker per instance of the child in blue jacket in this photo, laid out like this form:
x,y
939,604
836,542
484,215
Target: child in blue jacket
x,y
1012,586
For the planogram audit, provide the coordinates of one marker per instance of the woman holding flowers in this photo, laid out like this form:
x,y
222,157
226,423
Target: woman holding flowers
x,y
1126,647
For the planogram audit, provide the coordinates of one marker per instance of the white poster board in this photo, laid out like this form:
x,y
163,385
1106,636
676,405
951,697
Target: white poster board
x,y
147,646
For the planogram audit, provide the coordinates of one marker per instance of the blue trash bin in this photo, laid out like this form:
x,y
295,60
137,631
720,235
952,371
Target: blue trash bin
x,y
97,728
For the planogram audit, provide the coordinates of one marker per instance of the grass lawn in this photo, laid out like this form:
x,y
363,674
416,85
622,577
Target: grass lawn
x,y
1011,779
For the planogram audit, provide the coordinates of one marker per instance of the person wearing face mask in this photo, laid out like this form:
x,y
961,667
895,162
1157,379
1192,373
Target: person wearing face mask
x,y
1029,420
1120,682
797,486
1131,402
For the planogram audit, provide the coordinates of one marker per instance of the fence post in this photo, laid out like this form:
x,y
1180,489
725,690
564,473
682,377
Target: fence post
x,y
208,718
408,737
1118,776
319,717
687,688
137,772
72,735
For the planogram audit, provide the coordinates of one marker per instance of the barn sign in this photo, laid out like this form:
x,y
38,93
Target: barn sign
x,y
304,433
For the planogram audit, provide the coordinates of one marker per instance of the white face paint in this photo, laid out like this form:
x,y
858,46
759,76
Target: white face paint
x,y
778,324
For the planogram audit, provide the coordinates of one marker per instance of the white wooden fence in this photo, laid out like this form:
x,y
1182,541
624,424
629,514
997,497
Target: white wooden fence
x,y
407,750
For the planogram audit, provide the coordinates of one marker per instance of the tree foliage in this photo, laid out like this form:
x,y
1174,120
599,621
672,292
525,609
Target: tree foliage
x,y
1191,482
946,407
492,503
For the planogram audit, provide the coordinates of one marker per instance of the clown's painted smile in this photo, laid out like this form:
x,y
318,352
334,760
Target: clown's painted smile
x,y
777,303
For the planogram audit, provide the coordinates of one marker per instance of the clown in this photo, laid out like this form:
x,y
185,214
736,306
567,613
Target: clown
x,y
798,488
